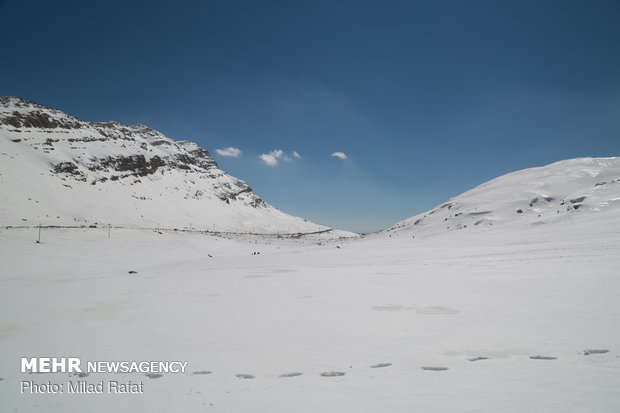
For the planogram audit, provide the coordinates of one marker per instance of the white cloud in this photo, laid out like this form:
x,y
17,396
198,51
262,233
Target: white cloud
x,y
340,155
230,151
272,158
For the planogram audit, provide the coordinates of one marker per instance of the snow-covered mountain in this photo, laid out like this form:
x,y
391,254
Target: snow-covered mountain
x,y
58,170
564,191
514,312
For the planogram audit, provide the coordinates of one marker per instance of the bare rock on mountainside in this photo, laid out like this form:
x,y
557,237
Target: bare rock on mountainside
x,y
56,165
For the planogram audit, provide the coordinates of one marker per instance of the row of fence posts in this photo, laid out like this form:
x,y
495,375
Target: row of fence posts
x,y
39,232
110,231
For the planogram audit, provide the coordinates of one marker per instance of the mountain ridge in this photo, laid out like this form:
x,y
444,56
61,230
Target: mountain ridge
x,y
129,164
558,192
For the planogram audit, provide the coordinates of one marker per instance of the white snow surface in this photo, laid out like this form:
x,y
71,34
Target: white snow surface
x,y
301,307
518,316
177,185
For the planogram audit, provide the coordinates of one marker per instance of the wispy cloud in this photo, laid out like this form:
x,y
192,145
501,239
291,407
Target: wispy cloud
x,y
339,155
272,158
230,151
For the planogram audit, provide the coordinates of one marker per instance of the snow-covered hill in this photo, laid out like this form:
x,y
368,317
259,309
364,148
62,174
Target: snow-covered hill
x,y
514,313
58,170
564,191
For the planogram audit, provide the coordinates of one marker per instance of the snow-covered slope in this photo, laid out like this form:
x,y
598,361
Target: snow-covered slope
x,y
58,170
504,321
564,191
521,319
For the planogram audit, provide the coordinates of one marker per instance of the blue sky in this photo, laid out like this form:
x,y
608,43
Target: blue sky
x,y
426,98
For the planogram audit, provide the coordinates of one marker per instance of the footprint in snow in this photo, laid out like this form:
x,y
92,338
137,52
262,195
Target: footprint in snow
x,y
202,372
332,373
543,358
244,376
588,352
380,365
435,368
293,374
153,375
477,358
435,310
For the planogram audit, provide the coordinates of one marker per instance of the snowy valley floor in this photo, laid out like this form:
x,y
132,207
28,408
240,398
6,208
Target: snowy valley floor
x,y
298,307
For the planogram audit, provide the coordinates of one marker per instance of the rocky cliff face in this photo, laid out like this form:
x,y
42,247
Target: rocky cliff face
x,y
57,169
139,150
